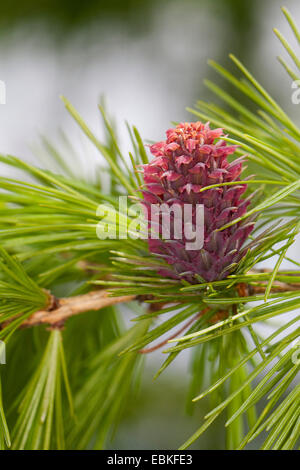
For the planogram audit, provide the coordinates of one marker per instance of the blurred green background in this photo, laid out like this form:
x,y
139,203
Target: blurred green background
x,y
149,58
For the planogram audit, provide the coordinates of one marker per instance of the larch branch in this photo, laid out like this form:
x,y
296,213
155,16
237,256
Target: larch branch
x,y
61,309
70,306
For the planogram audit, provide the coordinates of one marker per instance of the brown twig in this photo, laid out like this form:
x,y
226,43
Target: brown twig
x,y
276,287
246,290
174,335
220,315
67,307
60,310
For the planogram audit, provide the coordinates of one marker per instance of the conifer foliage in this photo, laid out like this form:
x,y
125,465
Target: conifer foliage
x,y
73,363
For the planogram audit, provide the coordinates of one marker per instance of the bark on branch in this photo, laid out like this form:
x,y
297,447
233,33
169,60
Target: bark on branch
x,y
67,307
60,310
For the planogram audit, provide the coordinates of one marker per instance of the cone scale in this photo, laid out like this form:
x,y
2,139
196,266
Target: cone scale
x,y
192,157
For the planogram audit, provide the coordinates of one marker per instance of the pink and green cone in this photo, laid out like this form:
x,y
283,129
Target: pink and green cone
x,y
192,157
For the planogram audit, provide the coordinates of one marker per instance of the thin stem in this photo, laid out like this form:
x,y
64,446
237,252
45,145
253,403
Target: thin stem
x,y
68,307
59,310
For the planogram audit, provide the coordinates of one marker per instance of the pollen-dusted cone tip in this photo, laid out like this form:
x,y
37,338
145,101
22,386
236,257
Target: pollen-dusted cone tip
x,y
192,157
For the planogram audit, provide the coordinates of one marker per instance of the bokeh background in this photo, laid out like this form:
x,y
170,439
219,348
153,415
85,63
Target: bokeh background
x,y
149,59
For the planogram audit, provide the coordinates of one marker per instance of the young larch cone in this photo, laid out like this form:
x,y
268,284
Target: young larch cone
x,y
192,157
